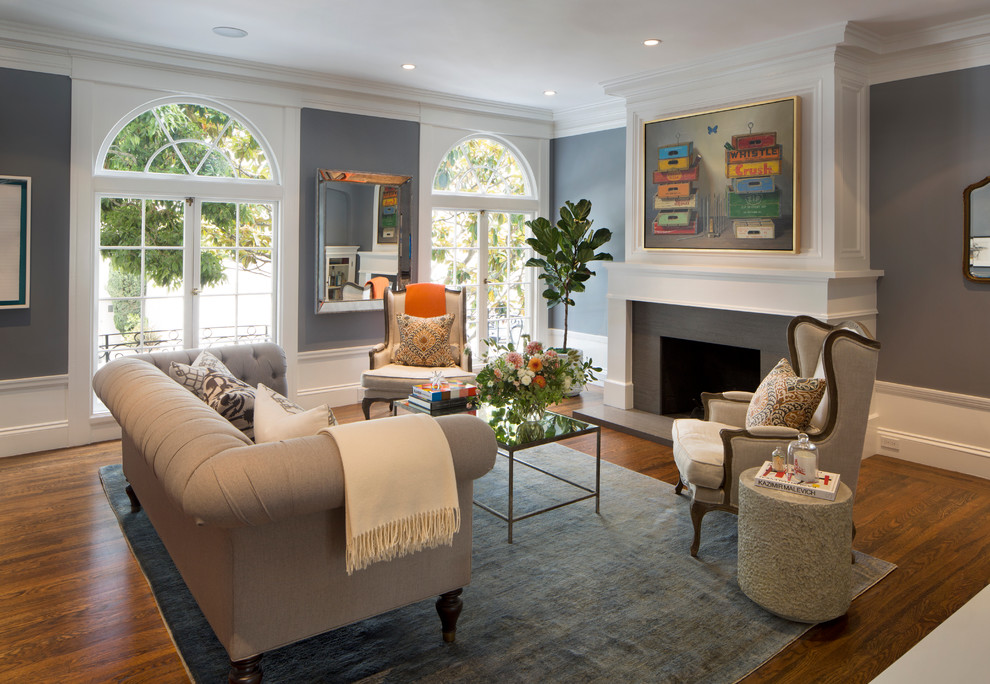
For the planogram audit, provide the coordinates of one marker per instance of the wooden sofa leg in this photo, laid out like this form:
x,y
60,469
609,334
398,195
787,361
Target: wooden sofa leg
x,y
135,503
245,671
449,608
366,407
679,487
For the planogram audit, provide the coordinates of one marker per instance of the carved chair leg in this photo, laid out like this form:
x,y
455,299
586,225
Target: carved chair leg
x,y
449,608
366,407
697,513
679,487
245,671
135,503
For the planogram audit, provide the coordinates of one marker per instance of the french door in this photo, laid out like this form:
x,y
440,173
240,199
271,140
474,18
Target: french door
x,y
183,273
484,252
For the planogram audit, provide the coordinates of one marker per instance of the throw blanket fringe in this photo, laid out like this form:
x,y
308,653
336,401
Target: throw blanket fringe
x,y
400,492
400,537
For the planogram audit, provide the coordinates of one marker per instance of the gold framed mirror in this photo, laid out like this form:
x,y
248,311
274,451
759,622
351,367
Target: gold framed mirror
x,y
976,227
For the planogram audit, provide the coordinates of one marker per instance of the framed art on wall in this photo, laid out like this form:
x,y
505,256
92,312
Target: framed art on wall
x,y
15,241
726,179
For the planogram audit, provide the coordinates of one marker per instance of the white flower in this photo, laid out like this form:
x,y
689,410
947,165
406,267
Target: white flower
x,y
526,380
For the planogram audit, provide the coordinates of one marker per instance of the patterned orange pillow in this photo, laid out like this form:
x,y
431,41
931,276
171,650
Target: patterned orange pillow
x,y
424,341
785,399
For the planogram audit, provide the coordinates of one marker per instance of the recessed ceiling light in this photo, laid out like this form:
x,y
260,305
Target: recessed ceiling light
x,y
408,67
650,42
549,92
229,31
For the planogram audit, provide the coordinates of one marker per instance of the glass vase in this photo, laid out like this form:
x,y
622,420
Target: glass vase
x,y
531,426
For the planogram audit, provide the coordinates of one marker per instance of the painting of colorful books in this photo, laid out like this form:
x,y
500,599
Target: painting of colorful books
x,y
724,180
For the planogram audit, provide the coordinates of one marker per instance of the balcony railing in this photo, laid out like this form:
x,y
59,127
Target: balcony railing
x,y
115,345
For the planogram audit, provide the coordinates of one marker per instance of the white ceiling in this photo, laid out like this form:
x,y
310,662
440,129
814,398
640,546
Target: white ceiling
x,y
501,50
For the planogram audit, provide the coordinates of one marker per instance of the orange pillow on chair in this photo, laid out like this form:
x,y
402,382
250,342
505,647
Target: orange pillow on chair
x,y
426,300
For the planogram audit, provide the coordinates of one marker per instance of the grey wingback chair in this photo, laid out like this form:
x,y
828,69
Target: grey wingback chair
x,y
711,453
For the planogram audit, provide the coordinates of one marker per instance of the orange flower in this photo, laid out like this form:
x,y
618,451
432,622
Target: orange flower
x,y
535,364
540,381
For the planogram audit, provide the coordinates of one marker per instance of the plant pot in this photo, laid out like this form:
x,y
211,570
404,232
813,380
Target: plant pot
x,y
575,356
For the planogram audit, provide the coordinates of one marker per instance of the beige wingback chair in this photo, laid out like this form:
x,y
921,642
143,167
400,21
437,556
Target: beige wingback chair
x,y
711,453
388,381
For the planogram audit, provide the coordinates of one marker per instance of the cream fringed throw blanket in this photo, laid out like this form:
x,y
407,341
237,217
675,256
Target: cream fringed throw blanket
x,y
400,494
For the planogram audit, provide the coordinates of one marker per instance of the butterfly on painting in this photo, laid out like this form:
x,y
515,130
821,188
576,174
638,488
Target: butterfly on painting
x,y
713,129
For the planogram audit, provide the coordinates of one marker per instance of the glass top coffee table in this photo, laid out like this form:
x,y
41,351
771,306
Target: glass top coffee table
x,y
556,428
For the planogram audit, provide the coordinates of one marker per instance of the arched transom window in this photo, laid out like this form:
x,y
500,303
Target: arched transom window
x,y
188,139
482,166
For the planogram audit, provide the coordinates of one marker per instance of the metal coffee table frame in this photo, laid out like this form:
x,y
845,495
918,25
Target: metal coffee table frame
x,y
575,428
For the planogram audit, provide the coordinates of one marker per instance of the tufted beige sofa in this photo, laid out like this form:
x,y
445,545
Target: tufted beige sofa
x,y
257,531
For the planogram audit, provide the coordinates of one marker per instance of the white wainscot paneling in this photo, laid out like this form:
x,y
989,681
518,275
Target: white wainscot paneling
x,y
931,427
33,414
595,347
331,376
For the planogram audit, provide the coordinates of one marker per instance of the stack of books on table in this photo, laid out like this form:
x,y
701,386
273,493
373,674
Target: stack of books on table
x,y
826,487
454,397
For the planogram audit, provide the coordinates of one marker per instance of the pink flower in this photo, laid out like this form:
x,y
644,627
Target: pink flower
x,y
498,373
534,347
550,353
514,359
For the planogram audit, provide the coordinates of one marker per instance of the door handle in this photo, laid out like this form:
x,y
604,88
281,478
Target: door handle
x,y
195,291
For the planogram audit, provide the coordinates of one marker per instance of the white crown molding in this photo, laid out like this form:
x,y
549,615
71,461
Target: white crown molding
x,y
37,50
602,116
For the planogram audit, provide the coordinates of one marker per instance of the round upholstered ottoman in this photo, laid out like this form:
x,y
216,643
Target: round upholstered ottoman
x,y
795,551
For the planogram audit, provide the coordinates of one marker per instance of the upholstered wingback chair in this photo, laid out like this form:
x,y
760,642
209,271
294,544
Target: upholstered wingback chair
x,y
388,380
711,453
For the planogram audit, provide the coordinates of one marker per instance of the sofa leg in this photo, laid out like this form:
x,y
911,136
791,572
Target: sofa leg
x,y
245,671
366,407
679,487
449,608
135,503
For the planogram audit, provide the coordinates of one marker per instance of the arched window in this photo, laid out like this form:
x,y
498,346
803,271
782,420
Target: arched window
x,y
482,198
190,261
187,139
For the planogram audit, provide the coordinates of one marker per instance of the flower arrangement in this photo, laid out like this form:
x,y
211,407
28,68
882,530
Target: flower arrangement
x,y
524,381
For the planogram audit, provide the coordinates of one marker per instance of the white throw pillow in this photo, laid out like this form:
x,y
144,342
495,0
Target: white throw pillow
x,y
276,418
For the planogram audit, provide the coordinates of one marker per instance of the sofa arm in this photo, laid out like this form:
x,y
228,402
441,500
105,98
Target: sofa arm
x,y
264,483
379,356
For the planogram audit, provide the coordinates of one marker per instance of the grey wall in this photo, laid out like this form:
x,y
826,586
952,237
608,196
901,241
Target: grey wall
x,y
35,126
929,140
591,166
351,142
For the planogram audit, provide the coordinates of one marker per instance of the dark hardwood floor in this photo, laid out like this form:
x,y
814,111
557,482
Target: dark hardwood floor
x,y
74,606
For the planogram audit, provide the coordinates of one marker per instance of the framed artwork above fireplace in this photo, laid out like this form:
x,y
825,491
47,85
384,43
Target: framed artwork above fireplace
x,y
725,180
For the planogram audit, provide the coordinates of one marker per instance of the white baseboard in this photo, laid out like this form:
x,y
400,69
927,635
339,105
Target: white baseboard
x,y
932,427
595,347
331,376
33,414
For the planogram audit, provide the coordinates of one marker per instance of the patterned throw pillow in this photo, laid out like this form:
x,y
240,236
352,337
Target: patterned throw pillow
x,y
424,341
192,377
785,399
231,398
277,418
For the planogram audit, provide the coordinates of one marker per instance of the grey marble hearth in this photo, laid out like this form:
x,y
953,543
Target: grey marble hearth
x,y
642,424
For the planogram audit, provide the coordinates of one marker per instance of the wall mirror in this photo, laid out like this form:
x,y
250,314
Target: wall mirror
x,y
364,243
976,220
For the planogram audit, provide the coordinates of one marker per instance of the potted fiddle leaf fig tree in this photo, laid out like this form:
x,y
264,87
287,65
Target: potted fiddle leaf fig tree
x,y
565,250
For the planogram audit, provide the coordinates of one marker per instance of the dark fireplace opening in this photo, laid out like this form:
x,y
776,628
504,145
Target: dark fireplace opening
x,y
688,368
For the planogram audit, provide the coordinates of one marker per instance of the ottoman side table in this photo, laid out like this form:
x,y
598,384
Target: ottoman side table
x,y
795,551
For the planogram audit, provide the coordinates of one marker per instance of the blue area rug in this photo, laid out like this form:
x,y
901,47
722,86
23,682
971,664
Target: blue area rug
x,y
577,597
